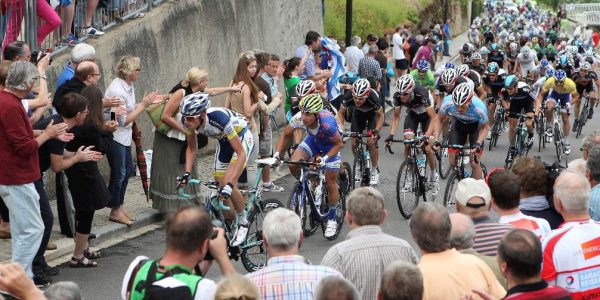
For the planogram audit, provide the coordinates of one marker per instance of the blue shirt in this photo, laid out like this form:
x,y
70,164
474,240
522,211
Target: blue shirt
x,y
477,111
309,64
447,31
595,203
66,74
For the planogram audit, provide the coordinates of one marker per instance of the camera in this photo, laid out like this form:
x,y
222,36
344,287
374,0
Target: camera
x,y
213,235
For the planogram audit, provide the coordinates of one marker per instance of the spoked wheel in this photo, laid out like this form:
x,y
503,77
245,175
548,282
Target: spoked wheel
x,y
340,208
443,166
451,184
541,131
558,143
407,189
254,252
357,169
582,119
302,209
494,135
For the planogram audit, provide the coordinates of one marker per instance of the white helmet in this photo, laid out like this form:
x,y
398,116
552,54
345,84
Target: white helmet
x,y
361,88
513,46
462,94
462,70
305,87
405,84
448,76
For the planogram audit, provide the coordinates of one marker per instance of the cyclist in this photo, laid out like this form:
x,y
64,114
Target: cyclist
x,y
465,52
473,77
563,89
469,123
511,58
363,111
234,145
324,139
564,63
308,87
446,84
484,51
493,81
496,55
476,64
419,105
525,62
584,81
518,93
423,75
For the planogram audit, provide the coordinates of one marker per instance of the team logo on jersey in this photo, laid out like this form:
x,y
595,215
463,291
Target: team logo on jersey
x,y
570,280
591,248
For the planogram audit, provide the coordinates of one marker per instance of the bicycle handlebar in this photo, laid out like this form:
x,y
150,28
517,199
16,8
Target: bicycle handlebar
x,y
209,184
413,141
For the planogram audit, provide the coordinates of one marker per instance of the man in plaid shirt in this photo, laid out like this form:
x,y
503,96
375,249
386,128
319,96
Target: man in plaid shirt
x,y
287,274
368,66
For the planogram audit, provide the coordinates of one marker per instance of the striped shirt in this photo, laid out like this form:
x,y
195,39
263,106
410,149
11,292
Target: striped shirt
x,y
488,235
289,277
363,256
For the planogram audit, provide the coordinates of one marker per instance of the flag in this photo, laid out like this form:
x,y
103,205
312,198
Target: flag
x,y
337,63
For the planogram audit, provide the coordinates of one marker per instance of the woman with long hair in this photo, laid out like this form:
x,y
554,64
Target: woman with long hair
x,y
86,184
291,77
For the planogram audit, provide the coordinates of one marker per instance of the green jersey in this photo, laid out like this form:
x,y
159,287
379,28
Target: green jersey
x,y
290,91
428,80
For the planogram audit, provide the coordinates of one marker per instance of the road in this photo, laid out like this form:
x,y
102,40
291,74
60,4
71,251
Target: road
x,y
104,282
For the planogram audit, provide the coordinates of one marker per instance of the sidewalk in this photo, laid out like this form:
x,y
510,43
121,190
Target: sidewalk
x,y
135,200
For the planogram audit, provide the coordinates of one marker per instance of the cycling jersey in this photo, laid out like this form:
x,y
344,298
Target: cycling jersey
x,y
364,116
567,88
496,85
320,139
497,58
572,258
526,64
538,226
585,79
421,99
223,124
427,81
476,113
521,100
371,104
480,68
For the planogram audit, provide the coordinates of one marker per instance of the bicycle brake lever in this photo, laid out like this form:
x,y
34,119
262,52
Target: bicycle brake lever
x,y
221,205
389,149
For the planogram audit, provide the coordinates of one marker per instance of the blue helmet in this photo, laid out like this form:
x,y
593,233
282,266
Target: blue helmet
x,y
493,67
511,80
544,63
423,65
494,47
549,73
449,65
563,60
193,105
560,75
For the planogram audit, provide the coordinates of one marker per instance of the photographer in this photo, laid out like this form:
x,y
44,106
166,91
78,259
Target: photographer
x,y
189,237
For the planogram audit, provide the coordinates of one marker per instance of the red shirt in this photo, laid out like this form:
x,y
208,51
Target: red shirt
x,y
18,148
596,38
537,291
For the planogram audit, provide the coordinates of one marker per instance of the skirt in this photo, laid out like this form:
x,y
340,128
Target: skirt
x,y
166,166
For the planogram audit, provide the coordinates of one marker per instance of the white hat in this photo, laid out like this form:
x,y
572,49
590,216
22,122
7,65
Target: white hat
x,y
469,188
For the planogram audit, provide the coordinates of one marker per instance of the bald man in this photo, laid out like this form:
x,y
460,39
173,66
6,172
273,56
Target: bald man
x,y
86,74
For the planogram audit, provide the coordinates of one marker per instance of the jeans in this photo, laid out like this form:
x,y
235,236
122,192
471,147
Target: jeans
x,y
446,47
26,226
39,262
121,168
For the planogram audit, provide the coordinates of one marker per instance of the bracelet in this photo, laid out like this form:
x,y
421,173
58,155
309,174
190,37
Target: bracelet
x,y
43,77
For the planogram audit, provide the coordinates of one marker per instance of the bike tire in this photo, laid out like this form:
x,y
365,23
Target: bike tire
x,y
301,210
254,252
358,166
340,213
444,167
558,142
407,201
449,200
582,118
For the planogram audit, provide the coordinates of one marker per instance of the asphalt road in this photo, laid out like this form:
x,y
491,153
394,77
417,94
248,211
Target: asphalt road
x,y
104,282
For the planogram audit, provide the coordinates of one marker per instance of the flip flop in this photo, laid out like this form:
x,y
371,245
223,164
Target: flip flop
x,y
122,220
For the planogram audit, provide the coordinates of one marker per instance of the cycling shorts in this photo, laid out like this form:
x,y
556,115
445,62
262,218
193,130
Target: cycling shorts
x,y
362,120
226,155
461,131
412,121
312,147
564,100
585,87
517,106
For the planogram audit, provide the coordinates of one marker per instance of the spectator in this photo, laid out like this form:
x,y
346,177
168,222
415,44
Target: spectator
x,y
17,51
401,63
312,43
236,286
447,273
18,148
570,252
461,239
87,73
505,188
415,45
593,175
520,259
353,55
367,250
287,274
473,199
90,9
401,281
371,41
67,10
14,280
119,155
425,52
382,59
80,53
43,10
590,142
578,165
447,36
368,66
336,288
291,77
188,239
64,290
534,180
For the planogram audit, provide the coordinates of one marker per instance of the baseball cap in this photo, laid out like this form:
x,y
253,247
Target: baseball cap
x,y
469,188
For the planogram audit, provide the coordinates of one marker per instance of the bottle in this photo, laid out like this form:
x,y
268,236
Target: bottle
x,y
421,165
467,174
367,159
319,190
467,157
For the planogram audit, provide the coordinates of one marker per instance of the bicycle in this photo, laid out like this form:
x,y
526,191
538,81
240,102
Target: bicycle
x,y
557,133
521,136
459,173
411,182
540,126
361,167
443,155
310,192
253,251
499,124
583,116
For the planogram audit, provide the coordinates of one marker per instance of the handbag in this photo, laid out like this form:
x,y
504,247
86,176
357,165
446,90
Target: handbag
x,y
155,111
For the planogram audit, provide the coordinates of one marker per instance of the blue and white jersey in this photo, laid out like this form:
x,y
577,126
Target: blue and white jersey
x,y
222,123
477,111
326,130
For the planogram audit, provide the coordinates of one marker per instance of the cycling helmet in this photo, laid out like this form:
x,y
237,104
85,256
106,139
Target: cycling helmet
x,y
493,67
573,50
563,60
305,87
484,50
195,104
544,63
586,66
449,76
494,47
463,94
311,103
466,49
511,80
549,73
406,84
462,70
525,51
560,75
423,65
589,53
513,47
449,65
475,56
511,38
361,88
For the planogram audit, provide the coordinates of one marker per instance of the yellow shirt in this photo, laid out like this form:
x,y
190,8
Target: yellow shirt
x,y
567,88
451,275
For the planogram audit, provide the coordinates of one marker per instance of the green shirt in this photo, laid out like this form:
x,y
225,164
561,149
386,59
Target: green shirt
x,y
188,278
290,91
428,80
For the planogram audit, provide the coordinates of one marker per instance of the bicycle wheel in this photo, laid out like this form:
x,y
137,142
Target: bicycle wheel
x,y
302,210
444,167
407,190
558,142
340,208
449,200
357,169
541,131
254,253
582,118
494,135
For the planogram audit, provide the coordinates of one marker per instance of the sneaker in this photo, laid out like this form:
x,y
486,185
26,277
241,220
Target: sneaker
x,y
566,148
41,282
93,31
530,143
575,123
272,188
374,178
239,236
509,157
50,271
489,135
590,114
331,228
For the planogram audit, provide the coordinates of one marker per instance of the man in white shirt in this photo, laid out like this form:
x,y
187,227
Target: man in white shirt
x,y
354,55
398,52
371,41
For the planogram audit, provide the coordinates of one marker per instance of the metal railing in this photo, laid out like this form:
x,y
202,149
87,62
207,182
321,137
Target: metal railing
x,y
576,9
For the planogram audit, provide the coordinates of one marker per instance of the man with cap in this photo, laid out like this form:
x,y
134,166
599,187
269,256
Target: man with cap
x,y
371,41
473,198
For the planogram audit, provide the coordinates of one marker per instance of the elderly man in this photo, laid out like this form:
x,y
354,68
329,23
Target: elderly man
x,y
447,273
590,142
368,66
571,259
401,281
461,239
367,250
336,288
354,55
20,163
86,74
473,199
287,274
593,174
80,53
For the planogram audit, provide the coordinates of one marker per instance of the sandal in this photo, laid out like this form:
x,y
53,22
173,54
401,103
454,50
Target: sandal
x,y
89,254
81,263
122,220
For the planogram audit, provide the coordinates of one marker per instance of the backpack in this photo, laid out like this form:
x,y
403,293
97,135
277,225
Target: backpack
x,y
167,287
